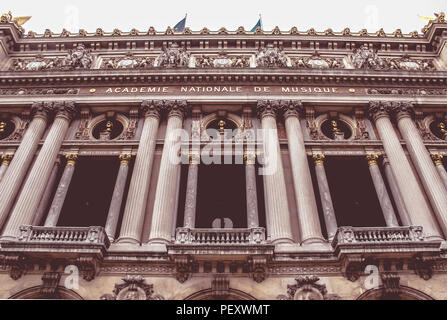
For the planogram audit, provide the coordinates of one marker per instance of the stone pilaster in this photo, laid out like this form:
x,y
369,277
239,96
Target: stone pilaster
x,y
277,209
325,195
251,191
382,193
189,220
34,187
46,197
310,228
61,191
398,200
437,159
117,197
5,161
165,197
133,219
412,194
431,180
13,178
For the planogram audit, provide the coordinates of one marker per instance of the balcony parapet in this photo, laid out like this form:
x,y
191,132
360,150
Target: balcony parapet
x,y
254,236
83,247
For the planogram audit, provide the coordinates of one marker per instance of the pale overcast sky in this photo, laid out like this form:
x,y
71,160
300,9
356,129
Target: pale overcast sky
x,y
140,14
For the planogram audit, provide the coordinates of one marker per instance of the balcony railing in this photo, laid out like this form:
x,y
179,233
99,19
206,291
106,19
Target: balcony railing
x,y
351,235
253,236
64,235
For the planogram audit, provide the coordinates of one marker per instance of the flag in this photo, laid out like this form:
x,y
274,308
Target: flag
x,y
179,27
259,24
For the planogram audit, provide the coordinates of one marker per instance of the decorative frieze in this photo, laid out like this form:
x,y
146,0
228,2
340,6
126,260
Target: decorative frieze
x,y
223,60
317,62
133,288
39,91
128,62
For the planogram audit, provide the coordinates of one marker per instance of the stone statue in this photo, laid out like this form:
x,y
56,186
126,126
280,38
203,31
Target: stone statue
x,y
174,56
271,57
80,58
365,58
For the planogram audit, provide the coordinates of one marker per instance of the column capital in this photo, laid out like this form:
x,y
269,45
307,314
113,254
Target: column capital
x,y
65,109
379,109
125,159
6,159
437,159
41,109
176,108
372,159
268,108
71,159
402,109
250,158
194,158
151,108
291,108
318,159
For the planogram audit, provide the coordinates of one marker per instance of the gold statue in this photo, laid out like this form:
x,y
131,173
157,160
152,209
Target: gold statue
x,y
222,125
442,127
7,17
109,126
2,126
335,128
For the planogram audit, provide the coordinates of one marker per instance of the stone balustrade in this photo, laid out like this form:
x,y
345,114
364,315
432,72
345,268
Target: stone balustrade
x,y
220,236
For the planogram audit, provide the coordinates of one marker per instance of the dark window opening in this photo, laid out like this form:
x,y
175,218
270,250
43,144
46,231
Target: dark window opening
x,y
221,194
353,193
90,192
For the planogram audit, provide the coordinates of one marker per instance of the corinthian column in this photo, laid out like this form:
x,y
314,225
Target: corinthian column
x,y
117,197
61,191
325,195
163,216
6,160
309,221
189,220
433,184
34,186
412,194
13,178
277,209
133,219
250,187
382,193
437,158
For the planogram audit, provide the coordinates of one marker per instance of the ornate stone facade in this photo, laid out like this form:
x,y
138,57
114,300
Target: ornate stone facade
x,y
129,116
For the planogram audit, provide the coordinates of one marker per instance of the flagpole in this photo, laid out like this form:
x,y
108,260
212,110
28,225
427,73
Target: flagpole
x,y
260,19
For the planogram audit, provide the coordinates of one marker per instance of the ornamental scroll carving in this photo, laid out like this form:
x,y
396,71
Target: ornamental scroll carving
x,y
133,288
307,288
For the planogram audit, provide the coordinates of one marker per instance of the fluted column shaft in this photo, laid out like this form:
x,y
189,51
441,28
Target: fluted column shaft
x,y
325,195
34,187
5,161
437,158
308,218
433,184
133,219
277,209
13,178
61,191
251,191
189,220
165,197
382,193
117,197
46,197
418,209
398,200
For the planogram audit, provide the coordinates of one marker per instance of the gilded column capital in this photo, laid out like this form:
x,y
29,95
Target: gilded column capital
x,y
41,109
268,108
437,159
176,108
71,159
319,159
402,109
6,159
194,158
151,108
372,159
291,108
250,158
65,109
379,109
125,159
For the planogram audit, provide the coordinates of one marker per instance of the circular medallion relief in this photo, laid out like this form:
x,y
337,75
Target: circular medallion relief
x,y
336,129
406,65
318,64
439,129
221,63
126,63
107,130
7,127
35,65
